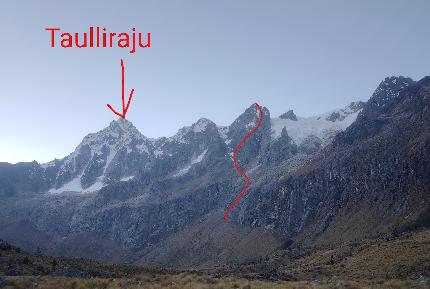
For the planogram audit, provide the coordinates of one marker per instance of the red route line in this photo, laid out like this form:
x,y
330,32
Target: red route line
x,y
124,107
239,169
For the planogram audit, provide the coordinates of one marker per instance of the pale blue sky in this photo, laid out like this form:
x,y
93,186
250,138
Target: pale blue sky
x,y
208,59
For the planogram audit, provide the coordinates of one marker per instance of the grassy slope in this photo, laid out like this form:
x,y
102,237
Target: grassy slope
x,y
388,263
190,281
404,257
209,242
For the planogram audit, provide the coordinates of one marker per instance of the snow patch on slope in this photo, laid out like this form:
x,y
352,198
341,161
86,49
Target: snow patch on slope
x,y
72,186
199,158
94,187
158,152
75,186
109,159
194,161
125,179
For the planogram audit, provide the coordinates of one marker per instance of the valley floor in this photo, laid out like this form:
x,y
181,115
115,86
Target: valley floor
x,y
191,281
400,262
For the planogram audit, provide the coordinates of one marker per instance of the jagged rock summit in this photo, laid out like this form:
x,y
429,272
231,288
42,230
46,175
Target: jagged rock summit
x,y
289,115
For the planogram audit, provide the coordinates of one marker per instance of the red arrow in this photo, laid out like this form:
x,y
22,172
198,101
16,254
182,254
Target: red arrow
x,y
124,107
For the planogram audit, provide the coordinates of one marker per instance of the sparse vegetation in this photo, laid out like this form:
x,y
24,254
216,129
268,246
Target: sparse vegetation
x,y
403,262
189,281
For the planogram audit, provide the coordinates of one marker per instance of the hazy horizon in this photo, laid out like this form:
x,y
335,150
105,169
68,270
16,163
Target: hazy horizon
x,y
207,59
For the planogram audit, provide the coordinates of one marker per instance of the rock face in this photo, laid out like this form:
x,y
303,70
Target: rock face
x,y
119,151
123,197
371,180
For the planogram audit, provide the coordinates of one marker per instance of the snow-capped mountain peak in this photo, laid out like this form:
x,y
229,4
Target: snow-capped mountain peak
x,y
201,125
323,126
100,158
120,152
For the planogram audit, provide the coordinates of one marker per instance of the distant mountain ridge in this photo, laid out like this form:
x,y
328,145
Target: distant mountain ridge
x,y
315,180
119,152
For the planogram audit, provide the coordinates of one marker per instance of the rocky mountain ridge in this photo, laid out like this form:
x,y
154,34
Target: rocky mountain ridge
x,y
120,152
315,180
